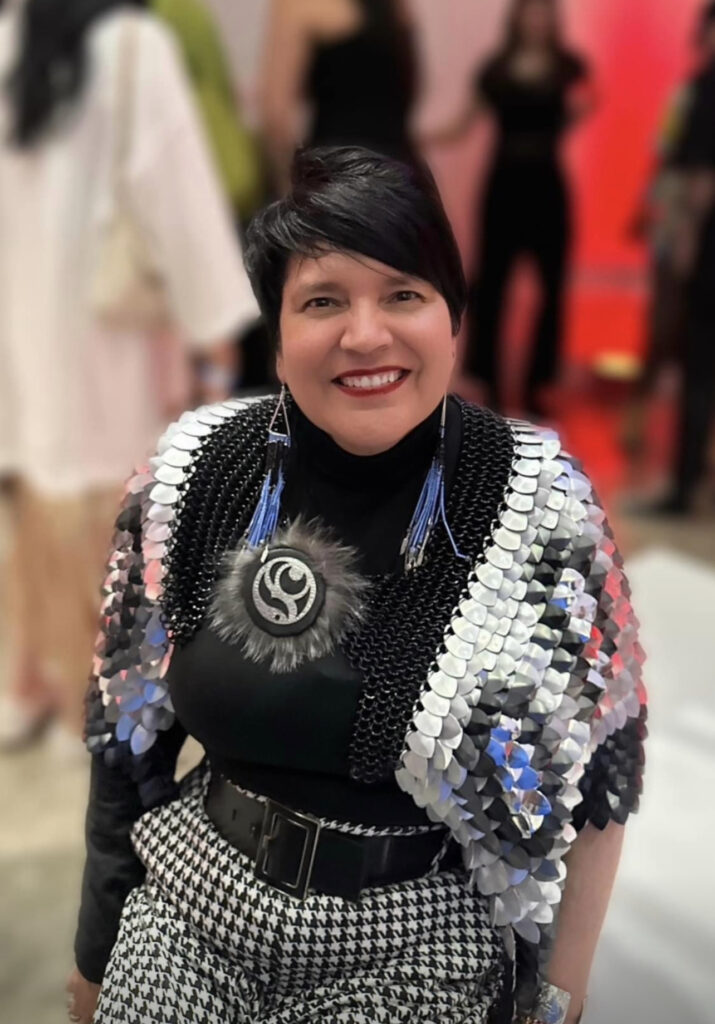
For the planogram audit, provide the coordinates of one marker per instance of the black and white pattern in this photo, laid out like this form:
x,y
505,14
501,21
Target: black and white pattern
x,y
204,941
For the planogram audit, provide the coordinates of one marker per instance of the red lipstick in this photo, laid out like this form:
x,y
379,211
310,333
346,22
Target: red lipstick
x,y
364,390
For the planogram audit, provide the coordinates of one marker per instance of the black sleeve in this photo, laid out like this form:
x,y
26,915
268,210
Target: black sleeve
x,y
112,869
613,781
613,778
697,145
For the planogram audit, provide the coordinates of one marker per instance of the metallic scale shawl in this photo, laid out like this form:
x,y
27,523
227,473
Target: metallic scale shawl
x,y
539,670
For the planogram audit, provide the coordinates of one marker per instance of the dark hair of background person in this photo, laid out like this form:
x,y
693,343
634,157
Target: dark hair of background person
x,y
50,70
512,36
348,199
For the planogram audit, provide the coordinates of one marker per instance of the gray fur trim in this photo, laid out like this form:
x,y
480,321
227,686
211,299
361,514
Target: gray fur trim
x,y
342,610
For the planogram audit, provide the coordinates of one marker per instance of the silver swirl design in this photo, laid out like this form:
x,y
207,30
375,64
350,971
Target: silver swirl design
x,y
284,590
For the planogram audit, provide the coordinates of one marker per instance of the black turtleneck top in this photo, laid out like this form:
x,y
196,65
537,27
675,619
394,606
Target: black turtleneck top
x,y
287,735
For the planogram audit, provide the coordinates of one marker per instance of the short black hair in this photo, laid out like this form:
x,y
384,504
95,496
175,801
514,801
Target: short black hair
x,y
349,199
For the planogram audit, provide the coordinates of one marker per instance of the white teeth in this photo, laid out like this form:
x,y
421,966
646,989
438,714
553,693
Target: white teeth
x,y
378,380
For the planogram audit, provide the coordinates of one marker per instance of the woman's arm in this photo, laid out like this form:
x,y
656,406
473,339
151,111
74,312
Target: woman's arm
x,y
134,740
612,781
592,864
455,130
285,63
581,96
112,868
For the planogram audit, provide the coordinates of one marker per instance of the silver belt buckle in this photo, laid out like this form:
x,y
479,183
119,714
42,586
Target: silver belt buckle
x,y
275,817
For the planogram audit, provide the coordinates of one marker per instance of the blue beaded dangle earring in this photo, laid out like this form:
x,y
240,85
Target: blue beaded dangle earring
x,y
264,521
430,507
272,597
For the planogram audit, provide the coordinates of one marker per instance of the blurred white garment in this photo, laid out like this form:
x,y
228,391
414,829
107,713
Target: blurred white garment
x,y
80,403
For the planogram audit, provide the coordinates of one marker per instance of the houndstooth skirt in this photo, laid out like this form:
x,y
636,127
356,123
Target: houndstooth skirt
x,y
203,941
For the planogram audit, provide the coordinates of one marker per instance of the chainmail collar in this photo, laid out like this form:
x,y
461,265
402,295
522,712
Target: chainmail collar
x,y
406,614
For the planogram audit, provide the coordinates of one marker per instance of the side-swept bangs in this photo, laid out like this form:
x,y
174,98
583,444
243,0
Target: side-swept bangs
x,y
348,199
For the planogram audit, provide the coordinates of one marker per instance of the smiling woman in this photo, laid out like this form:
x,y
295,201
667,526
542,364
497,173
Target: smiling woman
x,y
354,334
361,308
400,628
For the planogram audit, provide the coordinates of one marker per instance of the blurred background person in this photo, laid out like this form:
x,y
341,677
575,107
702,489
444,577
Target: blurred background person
x,y
657,222
694,259
352,63
96,115
535,88
233,146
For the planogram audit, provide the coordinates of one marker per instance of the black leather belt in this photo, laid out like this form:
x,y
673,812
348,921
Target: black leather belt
x,y
293,853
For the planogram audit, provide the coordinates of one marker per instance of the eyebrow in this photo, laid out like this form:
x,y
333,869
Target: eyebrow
x,y
326,285
400,278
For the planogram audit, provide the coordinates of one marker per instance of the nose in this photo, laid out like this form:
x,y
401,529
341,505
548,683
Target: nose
x,y
366,330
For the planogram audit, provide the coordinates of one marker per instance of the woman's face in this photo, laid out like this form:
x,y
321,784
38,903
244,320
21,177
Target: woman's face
x,y
366,351
536,22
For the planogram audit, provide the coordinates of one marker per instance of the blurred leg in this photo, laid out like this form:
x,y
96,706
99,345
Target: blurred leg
x,y
546,353
24,684
64,545
663,347
549,246
697,402
499,253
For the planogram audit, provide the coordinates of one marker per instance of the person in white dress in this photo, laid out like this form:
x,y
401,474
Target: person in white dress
x,y
80,400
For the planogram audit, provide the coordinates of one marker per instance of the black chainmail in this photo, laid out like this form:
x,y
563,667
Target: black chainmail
x,y
213,511
392,651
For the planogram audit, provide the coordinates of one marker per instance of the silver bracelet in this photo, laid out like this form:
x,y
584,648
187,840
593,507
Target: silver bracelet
x,y
551,1006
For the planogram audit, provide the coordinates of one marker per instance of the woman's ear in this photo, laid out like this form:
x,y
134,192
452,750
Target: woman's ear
x,y
280,369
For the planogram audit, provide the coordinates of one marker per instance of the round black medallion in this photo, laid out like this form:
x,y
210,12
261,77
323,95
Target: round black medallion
x,y
284,593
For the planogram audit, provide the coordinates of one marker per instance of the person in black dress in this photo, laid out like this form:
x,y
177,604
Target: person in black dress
x,y
535,88
695,260
352,63
318,54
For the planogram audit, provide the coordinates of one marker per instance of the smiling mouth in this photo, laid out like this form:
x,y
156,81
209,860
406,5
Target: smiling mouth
x,y
371,382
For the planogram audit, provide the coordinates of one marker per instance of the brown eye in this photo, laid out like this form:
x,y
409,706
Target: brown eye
x,y
406,295
319,302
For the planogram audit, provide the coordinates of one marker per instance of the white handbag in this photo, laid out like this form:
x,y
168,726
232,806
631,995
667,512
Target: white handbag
x,y
126,286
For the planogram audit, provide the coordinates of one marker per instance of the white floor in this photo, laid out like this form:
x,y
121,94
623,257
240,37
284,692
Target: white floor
x,y
655,961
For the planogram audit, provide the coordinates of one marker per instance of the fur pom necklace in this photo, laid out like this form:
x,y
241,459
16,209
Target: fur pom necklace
x,y
293,601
